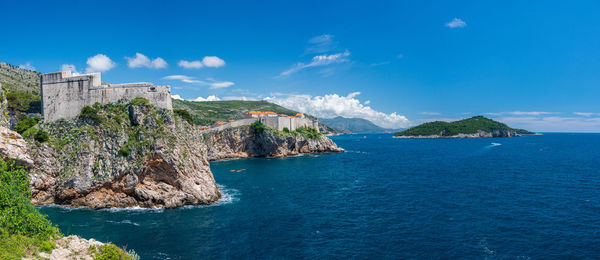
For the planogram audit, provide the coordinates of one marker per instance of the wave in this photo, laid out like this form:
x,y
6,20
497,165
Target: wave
x,y
228,196
123,222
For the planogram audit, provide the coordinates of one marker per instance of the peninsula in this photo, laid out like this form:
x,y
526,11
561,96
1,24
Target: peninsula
x,y
474,127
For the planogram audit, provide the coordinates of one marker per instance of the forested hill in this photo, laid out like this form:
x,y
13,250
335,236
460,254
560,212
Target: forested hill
x,y
466,126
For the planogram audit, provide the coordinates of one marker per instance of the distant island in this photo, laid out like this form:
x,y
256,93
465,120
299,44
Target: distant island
x,y
474,127
355,126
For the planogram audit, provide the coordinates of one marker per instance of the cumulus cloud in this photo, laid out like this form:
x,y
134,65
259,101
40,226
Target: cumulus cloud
x,y
332,105
99,63
141,60
208,61
209,98
209,81
456,23
177,96
69,67
27,66
317,61
213,62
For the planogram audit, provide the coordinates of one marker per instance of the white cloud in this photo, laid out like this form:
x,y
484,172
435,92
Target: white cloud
x,y
367,102
209,98
140,60
210,82
99,63
71,67
321,44
207,61
177,96
190,64
456,23
332,105
586,114
27,66
213,62
224,84
317,61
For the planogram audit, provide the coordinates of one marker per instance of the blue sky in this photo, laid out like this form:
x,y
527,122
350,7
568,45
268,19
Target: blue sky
x,y
531,64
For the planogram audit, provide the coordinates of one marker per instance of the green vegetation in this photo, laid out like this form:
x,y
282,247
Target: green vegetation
x,y
309,132
17,80
139,101
109,252
465,126
41,136
23,230
258,127
185,115
24,102
25,122
208,112
91,113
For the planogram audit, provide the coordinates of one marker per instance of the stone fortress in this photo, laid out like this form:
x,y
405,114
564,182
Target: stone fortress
x,y
64,94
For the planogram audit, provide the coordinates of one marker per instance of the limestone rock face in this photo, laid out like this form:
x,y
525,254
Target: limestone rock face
x,y
131,157
3,109
242,142
12,146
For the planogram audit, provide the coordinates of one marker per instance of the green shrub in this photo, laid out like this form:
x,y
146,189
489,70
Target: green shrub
x,y
47,246
286,130
25,123
124,150
309,132
138,101
17,215
88,112
258,127
23,102
185,115
41,136
109,252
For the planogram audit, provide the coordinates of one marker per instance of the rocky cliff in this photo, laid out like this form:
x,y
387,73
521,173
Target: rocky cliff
x,y
3,109
122,155
243,142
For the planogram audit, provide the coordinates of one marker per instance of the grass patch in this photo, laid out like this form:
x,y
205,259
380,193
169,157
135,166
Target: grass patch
x,y
109,252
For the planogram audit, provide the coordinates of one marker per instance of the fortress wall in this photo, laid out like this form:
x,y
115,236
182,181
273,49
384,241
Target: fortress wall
x,y
236,123
63,95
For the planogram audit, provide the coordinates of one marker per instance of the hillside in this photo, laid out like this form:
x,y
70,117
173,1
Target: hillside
x,y
209,112
355,125
477,126
15,79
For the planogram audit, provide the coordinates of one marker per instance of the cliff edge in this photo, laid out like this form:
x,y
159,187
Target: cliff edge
x,y
121,155
248,141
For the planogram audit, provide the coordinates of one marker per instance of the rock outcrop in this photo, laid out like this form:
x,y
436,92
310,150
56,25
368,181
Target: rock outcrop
x,y
243,142
122,155
12,146
4,117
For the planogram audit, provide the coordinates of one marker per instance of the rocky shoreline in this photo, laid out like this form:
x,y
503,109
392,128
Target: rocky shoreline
x,y
244,142
479,134
139,156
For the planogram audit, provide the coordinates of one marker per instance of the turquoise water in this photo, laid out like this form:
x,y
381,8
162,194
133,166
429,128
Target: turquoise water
x,y
534,197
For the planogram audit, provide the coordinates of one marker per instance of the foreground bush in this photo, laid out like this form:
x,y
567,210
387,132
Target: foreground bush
x,y
23,230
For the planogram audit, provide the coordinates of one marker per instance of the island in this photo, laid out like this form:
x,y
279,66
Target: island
x,y
474,127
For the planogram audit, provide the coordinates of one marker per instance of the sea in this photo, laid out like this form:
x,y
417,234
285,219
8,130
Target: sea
x,y
529,197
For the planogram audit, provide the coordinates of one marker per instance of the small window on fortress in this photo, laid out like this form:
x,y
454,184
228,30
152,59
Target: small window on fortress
x,y
152,89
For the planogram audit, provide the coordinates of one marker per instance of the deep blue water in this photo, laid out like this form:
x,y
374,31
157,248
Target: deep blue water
x,y
532,197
